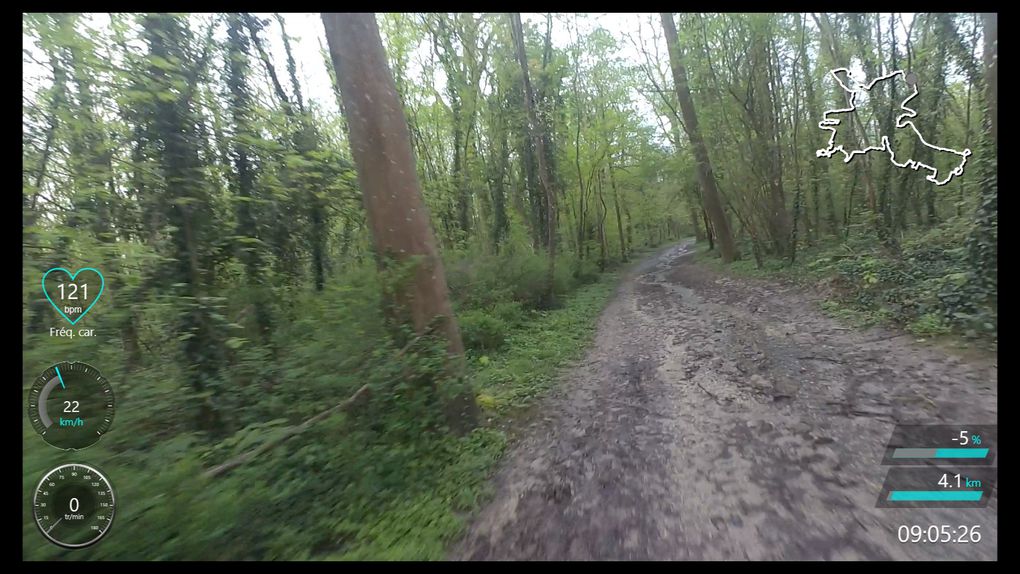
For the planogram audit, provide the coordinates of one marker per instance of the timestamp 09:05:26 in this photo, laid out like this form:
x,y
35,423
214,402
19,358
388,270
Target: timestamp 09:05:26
x,y
939,533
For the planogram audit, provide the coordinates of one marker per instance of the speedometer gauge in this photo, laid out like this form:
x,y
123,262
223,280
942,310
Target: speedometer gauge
x,y
71,405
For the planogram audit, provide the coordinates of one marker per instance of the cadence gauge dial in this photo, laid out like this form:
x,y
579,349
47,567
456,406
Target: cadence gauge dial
x,y
74,505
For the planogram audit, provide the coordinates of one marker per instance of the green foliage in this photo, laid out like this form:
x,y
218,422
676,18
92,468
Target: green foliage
x,y
480,281
511,313
929,278
509,381
928,286
583,272
928,325
481,331
526,276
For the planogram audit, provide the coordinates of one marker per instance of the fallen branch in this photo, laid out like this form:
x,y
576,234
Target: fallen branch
x,y
268,445
711,394
887,337
410,344
244,312
814,358
629,405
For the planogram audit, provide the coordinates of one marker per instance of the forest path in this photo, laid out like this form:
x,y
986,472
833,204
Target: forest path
x,y
723,418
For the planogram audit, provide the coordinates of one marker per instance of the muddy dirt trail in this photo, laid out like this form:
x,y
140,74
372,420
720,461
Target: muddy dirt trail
x,y
723,418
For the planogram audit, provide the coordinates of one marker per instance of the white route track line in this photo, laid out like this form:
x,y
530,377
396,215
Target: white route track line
x,y
829,124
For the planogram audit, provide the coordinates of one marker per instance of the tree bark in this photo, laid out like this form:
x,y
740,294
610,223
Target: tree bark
x,y
984,238
863,168
397,216
619,217
190,214
602,211
991,57
709,188
535,129
240,102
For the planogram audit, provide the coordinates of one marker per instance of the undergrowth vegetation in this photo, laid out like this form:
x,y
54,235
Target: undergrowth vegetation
x,y
925,286
383,481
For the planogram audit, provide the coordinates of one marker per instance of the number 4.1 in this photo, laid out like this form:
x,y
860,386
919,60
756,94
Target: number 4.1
x,y
74,292
944,481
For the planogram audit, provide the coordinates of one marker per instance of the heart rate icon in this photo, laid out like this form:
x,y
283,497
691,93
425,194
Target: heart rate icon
x,y
76,298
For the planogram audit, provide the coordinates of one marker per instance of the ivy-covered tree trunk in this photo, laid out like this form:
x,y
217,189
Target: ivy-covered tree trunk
x,y
249,252
499,161
534,128
933,119
190,215
779,217
39,307
990,22
984,239
887,229
306,143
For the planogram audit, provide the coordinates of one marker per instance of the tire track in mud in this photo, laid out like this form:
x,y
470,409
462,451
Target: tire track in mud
x,y
716,418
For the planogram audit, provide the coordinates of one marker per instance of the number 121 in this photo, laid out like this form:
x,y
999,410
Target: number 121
x,y
73,293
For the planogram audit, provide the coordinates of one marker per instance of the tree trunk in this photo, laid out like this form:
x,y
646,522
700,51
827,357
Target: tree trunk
x,y
619,218
863,168
695,209
815,111
240,102
991,57
602,212
529,165
499,165
535,130
984,239
307,140
709,189
708,230
190,214
630,227
887,230
397,216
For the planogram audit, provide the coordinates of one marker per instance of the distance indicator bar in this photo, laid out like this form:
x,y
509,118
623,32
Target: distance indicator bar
x,y
938,487
935,495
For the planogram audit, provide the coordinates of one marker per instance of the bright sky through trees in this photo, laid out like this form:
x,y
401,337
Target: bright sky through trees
x,y
306,33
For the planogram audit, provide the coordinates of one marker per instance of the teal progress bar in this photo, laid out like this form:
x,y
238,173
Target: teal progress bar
x,y
940,453
935,495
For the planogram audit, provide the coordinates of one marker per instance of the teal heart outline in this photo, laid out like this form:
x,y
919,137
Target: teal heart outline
x,y
102,286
